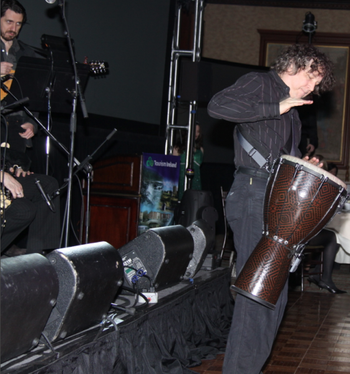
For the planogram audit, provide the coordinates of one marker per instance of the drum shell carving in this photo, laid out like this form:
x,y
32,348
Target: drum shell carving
x,y
265,273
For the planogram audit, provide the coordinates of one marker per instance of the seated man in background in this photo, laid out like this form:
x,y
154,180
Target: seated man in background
x,y
21,127
29,206
29,209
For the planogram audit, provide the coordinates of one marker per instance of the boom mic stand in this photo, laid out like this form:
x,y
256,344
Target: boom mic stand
x,y
30,114
87,167
80,166
73,121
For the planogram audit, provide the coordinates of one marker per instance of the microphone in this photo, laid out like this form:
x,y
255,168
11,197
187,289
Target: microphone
x,y
309,24
6,78
46,198
8,107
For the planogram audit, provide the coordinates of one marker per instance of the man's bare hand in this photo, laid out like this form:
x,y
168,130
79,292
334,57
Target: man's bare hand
x,y
13,185
6,67
314,161
19,172
29,133
289,103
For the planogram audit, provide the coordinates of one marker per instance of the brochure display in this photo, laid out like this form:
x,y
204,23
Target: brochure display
x,y
159,190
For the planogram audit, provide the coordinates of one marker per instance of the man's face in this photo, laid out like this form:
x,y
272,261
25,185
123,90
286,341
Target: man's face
x,y
11,24
303,82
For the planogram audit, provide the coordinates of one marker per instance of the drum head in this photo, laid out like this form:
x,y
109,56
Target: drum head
x,y
316,169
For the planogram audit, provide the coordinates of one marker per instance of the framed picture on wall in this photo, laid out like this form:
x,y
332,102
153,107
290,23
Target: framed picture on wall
x,y
333,117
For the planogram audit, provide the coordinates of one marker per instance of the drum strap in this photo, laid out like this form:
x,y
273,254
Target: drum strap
x,y
252,152
261,157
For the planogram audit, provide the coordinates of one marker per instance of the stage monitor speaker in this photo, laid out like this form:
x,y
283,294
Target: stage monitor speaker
x,y
204,240
196,205
89,278
162,253
29,289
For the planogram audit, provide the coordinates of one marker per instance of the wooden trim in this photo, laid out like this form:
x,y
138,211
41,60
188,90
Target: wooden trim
x,y
290,37
319,4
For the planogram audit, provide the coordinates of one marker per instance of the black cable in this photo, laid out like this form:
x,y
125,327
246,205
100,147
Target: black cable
x,y
102,324
137,293
124,309
48,343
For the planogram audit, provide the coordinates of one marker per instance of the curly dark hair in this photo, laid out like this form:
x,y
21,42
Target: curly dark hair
x,y
298,56
15,6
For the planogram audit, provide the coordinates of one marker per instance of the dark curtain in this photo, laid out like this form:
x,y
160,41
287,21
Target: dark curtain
x,y
169,337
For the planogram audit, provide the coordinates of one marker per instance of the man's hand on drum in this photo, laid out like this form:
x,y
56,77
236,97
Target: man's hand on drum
x,y
314,161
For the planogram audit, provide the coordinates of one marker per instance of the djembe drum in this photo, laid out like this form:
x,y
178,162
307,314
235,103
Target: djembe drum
x,y
300,199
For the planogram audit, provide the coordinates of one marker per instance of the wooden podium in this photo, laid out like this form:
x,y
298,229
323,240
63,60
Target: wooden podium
x,y
115,200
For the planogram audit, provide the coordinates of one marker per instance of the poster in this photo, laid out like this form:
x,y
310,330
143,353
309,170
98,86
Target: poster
x,y
159,190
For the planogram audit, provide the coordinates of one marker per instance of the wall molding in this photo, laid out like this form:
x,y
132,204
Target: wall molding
x,y
319,4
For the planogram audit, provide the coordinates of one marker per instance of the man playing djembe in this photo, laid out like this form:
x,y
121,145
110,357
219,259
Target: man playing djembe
x,y
263,106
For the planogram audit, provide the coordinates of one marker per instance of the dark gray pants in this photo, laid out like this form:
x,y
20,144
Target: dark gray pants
x,y
254,326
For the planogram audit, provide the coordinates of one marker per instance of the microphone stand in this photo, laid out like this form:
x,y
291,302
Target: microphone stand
x,y
73,121
84,165
48,91
88,168
31,115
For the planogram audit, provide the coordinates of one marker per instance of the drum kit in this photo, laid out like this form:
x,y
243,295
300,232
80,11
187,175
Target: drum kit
x,y
300,200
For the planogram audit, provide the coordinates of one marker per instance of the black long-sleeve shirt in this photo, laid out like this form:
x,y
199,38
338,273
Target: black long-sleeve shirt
x,y
18,117
253,103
